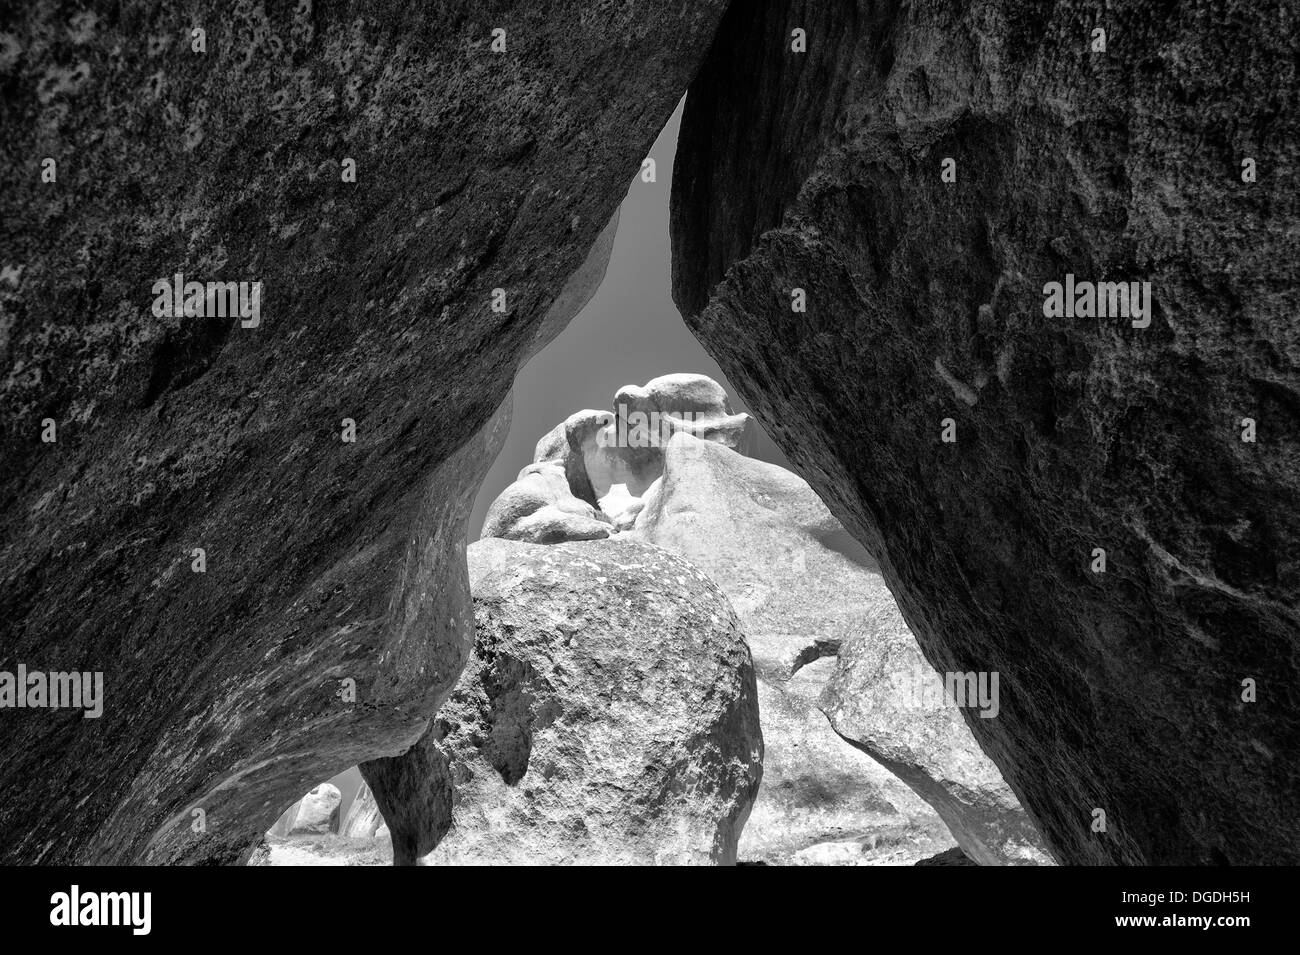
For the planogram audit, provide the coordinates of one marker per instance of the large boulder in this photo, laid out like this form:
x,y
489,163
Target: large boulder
x,y
915,180
804,590
409,206
608,715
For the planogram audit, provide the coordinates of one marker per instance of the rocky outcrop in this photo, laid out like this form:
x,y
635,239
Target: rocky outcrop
x,y
799,585
885,699
404,205
812,604
608,715
914,180
591,472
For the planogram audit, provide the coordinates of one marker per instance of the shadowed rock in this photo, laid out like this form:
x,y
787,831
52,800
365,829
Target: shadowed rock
x,y
326,561
823,171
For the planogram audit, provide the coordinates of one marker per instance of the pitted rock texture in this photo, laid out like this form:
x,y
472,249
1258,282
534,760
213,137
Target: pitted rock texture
x,y
805,591
608,715
821,171
887,700
325,561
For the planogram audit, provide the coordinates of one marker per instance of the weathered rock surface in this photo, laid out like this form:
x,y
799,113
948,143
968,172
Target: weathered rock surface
x,y
608,715
364,819
325,561
803,588
821,171
888,701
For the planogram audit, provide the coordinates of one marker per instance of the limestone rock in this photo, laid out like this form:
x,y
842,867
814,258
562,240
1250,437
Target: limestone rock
x,y
823,171
609,715
325,561
318,811
887,700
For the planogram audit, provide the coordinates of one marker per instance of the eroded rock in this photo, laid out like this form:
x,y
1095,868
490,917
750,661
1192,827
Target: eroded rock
x,y
803,589
611,460
823,173
326,561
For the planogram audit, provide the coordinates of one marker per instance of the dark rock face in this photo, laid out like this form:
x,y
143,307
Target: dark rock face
x,y
608,715
953,856
326,561
1122,690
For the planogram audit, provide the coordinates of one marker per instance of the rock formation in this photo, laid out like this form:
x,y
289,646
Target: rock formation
x,y
812,604
373,182
799,585
887,700
591,472
608,715
1103,510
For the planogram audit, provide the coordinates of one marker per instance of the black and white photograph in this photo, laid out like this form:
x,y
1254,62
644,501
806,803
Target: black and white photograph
x,y
626,434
